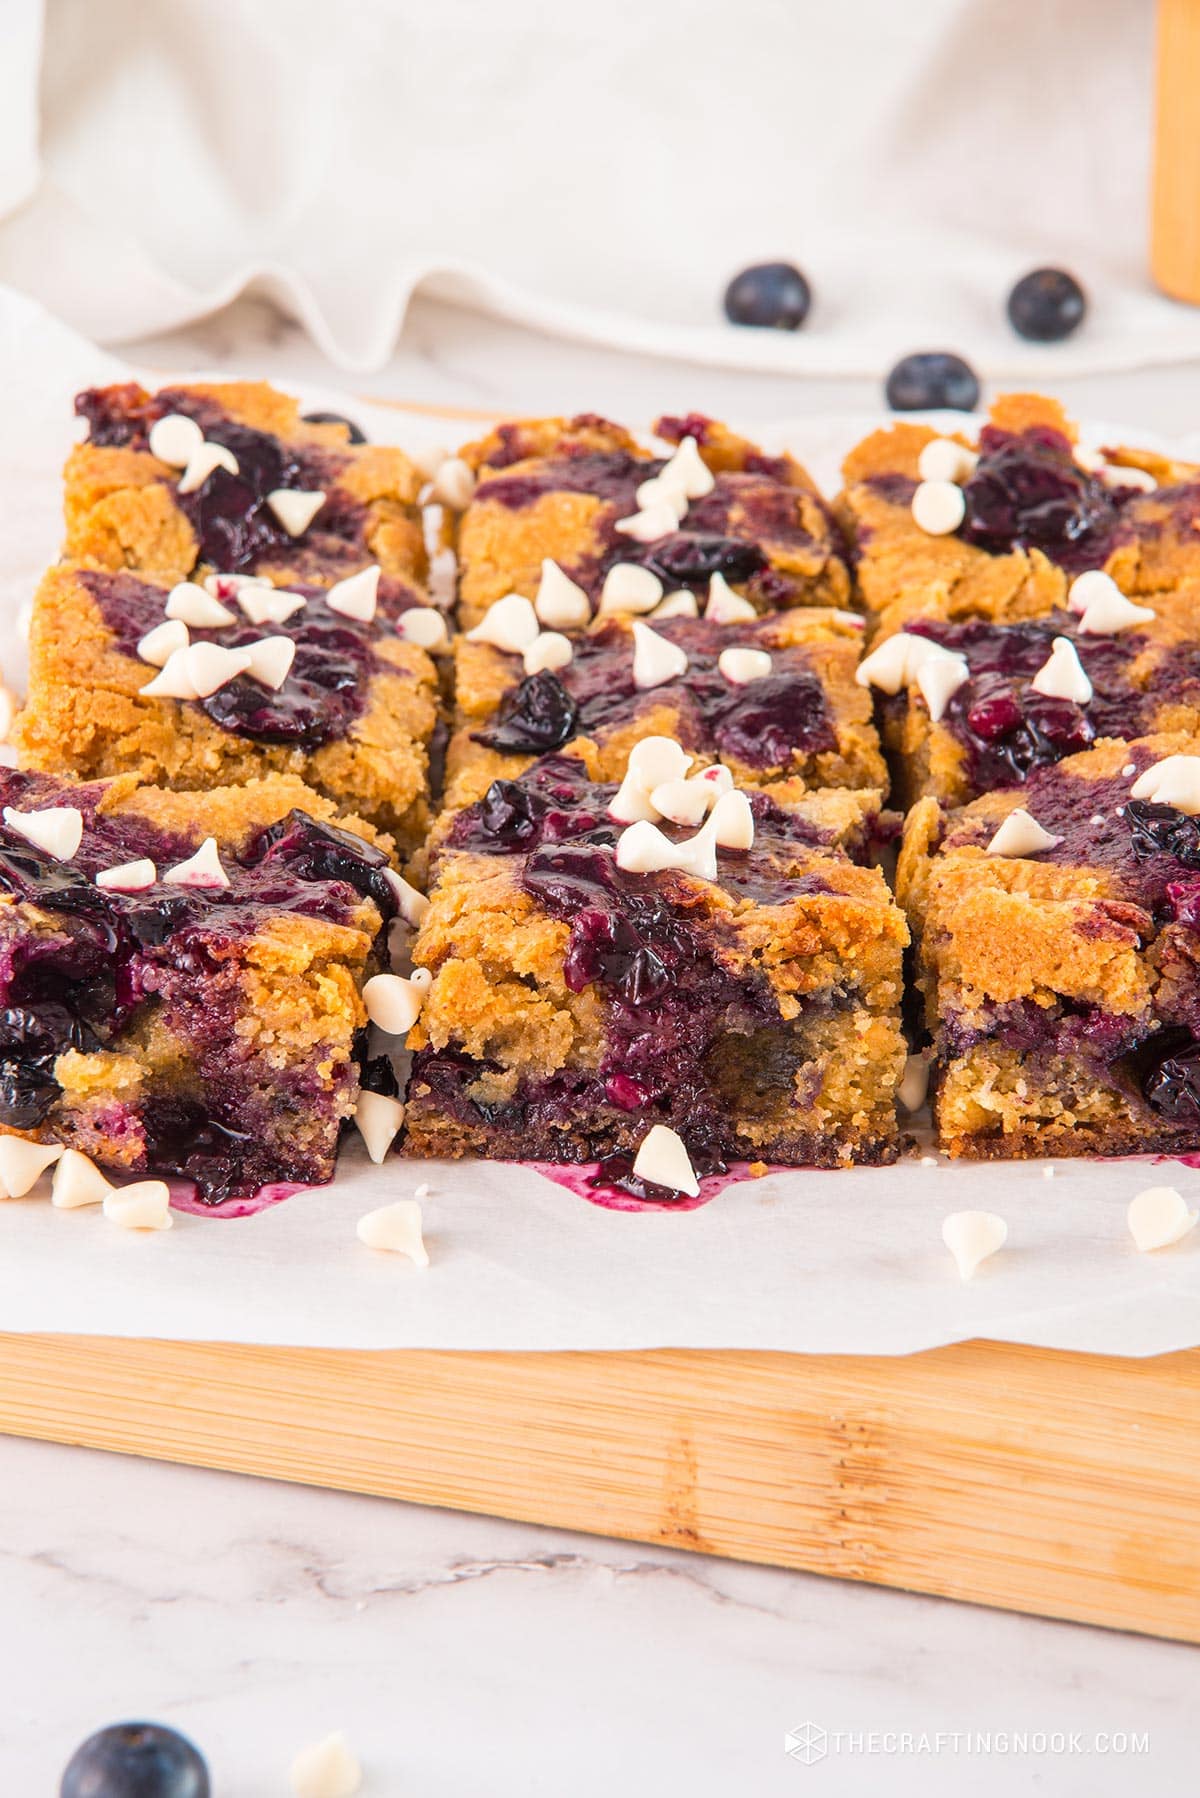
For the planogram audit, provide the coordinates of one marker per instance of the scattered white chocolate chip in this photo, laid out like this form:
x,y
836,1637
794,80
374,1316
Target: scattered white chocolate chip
x,y
357,596
271,661
1063,676
717,777
1129,769
412,904
1173,781
655,660
1020,835
724,606
77,1182
1114,474
1049,1171
732,821
454,484
397,1228
657,494
1158,1217
560,603
231,586
22,1164
421,1191
899,659
944,460
160,644
210,667
422,979
938,508
1090,460
647,527
430,460
630,588
1112,613
393,1003
938,680
510,624
652,763
929,1161
971,1236
423,625
191,605
680,604
742,665
914,1082
663,1160
688,470
173,680
682,801
294,508
200,870
175,438
58,829
203,460
378,1118
643,849
146,1205
1093,584
127,877
270,605
549,650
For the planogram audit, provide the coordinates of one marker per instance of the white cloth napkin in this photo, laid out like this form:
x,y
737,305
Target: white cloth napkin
x,y
597,171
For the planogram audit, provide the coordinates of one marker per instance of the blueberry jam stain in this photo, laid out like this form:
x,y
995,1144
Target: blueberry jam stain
x,y
171,952
612,1185
1028,492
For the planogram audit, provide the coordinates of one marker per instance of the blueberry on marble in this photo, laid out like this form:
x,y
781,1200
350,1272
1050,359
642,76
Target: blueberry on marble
x,y
770,295
930,379
136,1760
357,434
1046,305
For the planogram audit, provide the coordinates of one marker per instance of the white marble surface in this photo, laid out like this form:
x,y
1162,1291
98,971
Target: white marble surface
x,y
463,1654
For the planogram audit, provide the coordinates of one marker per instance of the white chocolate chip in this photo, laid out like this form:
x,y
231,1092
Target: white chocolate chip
x,y
326,1770
510,624
655,660
938,508
58,829
944,460
22,1164
1088,587
560,603
231,586
270,605
658,494
681,604
742,665
175,438
271,661
643,849
173,681
1063,676
203,460
717,777
898,661
424,626
682,801
1159,1217
430,460
146,1205
1110,613
127,877
938,680
160,644
412,904
294,508
393,1003
724,606
656,759
454,484
77,1182
688,470
378,1118
663,1160
549,650
913,1085
200,870
1173,781
1113,474
396,1228
630,588
732,821
1020,835
191,605
210,667
647,527
422,979
357,596
971,1236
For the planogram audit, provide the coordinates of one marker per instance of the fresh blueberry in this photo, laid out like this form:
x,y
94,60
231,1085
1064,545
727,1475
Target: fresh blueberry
x,y
357,434
1046,305
136,1760
772,294
930,379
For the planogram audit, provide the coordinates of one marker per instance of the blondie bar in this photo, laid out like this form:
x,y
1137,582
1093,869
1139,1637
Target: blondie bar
x,y
740,985
574,492
182,975
1059,955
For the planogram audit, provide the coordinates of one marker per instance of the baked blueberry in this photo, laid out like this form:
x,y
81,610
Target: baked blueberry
x,y
136,1760
771,295
357,434
932,378
1046,305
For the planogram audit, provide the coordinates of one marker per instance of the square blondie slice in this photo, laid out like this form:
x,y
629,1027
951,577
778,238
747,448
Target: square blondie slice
x,y
752,1006
559,490
1058,933
182,975
772,697
352,715
228,477
997,527
999,700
